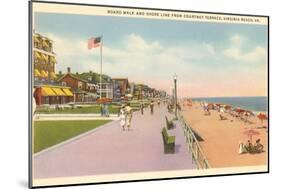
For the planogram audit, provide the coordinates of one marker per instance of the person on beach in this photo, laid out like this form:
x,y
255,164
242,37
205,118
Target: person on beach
x,y
151,107
158,102
258,147
242,148
249,146
122,117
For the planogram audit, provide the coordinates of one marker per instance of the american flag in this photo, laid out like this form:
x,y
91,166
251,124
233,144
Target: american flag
x,y
94,42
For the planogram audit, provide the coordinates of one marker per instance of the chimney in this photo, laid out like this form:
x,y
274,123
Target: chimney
x,y
68,70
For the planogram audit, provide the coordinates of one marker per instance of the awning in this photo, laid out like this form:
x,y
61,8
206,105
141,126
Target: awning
x,y
36,39
44,74
52,59
45,44
53,75
67,92
37,73
44,57
47,91
59,92
37,55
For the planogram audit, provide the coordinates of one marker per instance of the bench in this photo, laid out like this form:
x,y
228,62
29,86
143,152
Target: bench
x,y
169,142
169,124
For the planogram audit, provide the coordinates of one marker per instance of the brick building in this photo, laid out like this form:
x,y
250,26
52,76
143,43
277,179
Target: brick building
x,y
83,90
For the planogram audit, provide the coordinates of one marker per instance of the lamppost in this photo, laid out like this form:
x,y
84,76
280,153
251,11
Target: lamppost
x,y
175,92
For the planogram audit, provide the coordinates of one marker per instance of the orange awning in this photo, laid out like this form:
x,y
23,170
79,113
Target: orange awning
x,y
67,92
47,91
58,91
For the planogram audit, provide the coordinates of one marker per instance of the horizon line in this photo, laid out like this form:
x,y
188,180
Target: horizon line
x,y
230,96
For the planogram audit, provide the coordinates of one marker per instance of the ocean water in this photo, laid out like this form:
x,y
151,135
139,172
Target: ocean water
x,y
256,104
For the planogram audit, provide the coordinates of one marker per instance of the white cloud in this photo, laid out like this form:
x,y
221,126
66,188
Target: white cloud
x,y
135,42
138,59
237,39
256,55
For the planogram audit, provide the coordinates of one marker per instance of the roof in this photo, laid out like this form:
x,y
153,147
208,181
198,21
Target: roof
x,y
41,36
120,79
73,76
53,86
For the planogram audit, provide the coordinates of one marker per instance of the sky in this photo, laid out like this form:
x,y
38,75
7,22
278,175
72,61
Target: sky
x,y
209,59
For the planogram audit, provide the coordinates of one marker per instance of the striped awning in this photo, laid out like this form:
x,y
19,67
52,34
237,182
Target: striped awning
x,y
37,55
59,92
67,92
53,75
44,74
52,59
35,38
45,43
44,57
47,91
37,73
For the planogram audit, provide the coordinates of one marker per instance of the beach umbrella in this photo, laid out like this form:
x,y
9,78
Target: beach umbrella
x,y
239,110
104,100
211,106
262,117
227,107
251,132
219,105
249,113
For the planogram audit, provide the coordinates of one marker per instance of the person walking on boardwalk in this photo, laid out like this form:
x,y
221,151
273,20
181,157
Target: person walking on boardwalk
x,y
129,112
101,110
158,101
151,107
122,117
106,111
142,107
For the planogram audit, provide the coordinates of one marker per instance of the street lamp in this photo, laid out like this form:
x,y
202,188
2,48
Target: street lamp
x,y
175,90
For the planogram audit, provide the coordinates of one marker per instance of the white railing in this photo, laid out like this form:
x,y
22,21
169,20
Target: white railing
x,y
194,147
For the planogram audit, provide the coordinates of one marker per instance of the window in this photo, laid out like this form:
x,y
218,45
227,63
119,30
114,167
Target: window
x,y
46,100
80,84
63,83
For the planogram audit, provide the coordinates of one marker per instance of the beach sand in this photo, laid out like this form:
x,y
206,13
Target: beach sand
x,y
222,137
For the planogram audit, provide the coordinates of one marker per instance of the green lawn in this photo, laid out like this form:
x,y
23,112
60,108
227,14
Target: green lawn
x,y
80,110
49,133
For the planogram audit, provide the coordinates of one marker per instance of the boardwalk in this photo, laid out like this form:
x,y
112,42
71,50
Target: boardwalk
x,y
111,150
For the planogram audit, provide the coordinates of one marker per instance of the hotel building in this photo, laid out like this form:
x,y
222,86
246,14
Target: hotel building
x,y
47,89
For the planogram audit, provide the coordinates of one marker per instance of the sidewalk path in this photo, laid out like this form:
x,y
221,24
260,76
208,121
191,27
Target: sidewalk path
x,y
111,150
89,116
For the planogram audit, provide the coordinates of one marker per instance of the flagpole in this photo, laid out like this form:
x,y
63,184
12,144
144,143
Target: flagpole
x,y
101,64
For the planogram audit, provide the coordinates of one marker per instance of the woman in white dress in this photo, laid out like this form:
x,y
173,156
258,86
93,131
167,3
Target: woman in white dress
x,y
122,117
